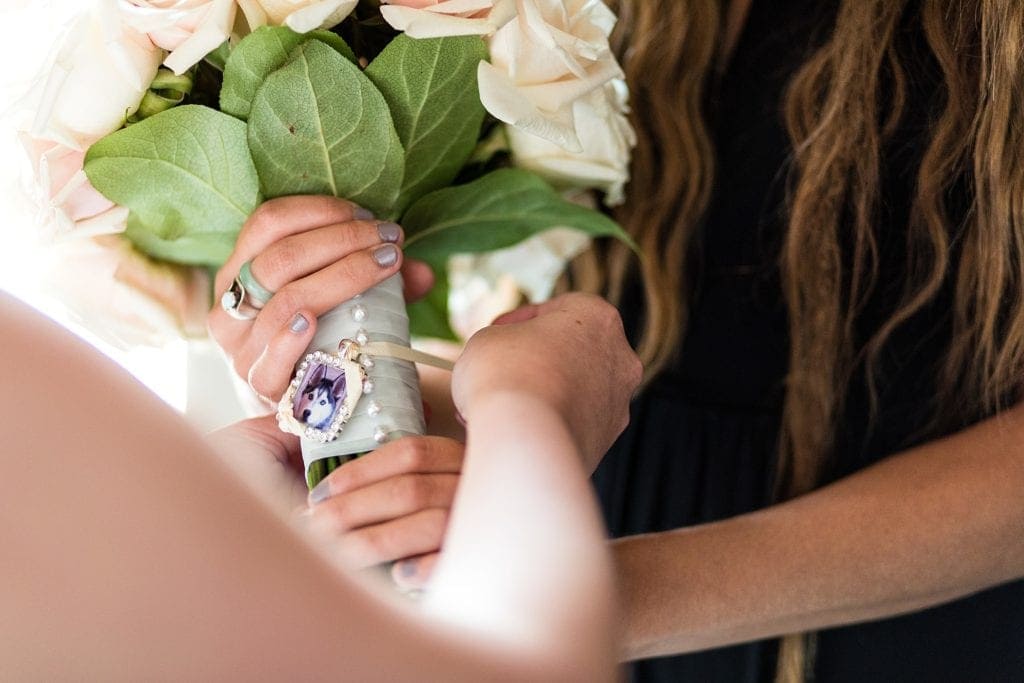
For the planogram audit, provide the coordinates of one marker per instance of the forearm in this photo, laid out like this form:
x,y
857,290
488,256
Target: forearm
x,y
923,527
128,553
524,506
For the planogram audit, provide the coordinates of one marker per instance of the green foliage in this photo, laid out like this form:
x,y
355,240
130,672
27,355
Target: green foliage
x,y
429,316
260,54
431,89
392,138
319,126
499,210
496,211
188,179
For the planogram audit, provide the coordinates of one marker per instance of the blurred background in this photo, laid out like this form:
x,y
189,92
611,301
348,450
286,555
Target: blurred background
x,y
32,267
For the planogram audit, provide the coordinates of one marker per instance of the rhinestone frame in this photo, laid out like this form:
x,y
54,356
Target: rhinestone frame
x,y
346,360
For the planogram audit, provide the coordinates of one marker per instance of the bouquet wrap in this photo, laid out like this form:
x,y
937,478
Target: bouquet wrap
x,y
390,406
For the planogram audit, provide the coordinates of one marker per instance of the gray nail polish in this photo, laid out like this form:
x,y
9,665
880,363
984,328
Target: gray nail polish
x,y
361,214
386,256
320,492
407,569
299,324
389,232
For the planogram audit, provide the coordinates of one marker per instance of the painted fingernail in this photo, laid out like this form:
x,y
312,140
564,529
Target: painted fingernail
x,y
299,324
320,492
389,232
407,569
361,214
386,256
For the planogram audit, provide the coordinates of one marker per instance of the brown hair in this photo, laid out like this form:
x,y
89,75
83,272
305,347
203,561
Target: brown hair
x,y
841,107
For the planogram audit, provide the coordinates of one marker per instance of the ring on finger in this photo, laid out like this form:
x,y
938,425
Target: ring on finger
x,y
235,302
257,294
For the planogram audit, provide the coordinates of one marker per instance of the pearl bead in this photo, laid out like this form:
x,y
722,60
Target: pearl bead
x,y
361,338
380,435
366,361
374,409
359,313
368,386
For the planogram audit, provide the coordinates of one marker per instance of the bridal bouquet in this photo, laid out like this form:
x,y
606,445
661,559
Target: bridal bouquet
x,y
170,121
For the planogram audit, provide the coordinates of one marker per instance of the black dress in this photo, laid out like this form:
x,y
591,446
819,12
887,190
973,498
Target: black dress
x,y
701,444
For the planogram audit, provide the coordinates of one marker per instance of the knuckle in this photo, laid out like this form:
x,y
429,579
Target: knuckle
x,y
339,514
266,214
413,490
372,543
274,263
288,298
415,454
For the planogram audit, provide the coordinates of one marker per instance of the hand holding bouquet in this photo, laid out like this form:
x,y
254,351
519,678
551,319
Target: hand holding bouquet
x,y
449,117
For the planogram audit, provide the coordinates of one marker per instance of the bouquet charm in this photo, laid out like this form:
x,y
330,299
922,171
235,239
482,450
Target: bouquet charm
x,y
464,122
364,394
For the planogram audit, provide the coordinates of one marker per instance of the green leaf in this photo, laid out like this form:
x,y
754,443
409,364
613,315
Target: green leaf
x,y
188,179
429,316
499,210
430,86
219,57
319,126
261,53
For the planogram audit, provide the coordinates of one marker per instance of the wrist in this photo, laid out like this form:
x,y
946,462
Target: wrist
x,y
481,406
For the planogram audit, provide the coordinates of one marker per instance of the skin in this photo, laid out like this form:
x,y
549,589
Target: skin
x,y
132,553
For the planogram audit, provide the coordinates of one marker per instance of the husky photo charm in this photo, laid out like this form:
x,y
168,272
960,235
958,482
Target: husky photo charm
x,y
322,396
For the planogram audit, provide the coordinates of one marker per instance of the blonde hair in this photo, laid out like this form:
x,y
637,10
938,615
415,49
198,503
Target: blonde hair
x,y
841,107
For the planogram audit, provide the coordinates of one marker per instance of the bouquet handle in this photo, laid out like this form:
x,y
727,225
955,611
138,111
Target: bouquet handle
x,y
390,405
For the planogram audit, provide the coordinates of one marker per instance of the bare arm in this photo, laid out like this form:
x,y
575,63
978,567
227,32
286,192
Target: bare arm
x,y
926,526
129,553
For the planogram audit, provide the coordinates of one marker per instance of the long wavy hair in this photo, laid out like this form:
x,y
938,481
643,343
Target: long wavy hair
x,y
841,107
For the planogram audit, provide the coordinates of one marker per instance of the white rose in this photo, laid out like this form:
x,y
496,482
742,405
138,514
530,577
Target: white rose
x,y
607,139
441,18
554,53
97,80
483,286
301,16
190,29
71,205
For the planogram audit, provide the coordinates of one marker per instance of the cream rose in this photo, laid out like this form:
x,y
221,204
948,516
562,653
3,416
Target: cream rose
x,y
72,205
189,29
483,286
440,18
124,296
554,53
298,15
97,79
607,140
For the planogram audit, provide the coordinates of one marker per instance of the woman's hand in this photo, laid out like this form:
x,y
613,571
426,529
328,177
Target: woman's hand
x,y
314,253
570,352
392,504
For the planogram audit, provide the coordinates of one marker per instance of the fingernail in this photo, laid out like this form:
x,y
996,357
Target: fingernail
x,y
386,256
407,569
320,492
361,214
299,324
389,232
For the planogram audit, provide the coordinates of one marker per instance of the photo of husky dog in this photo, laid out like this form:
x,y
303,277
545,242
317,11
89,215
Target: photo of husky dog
x,y
320,396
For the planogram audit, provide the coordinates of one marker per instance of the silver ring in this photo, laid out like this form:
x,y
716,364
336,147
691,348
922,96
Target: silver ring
x,y
235,302
257,294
